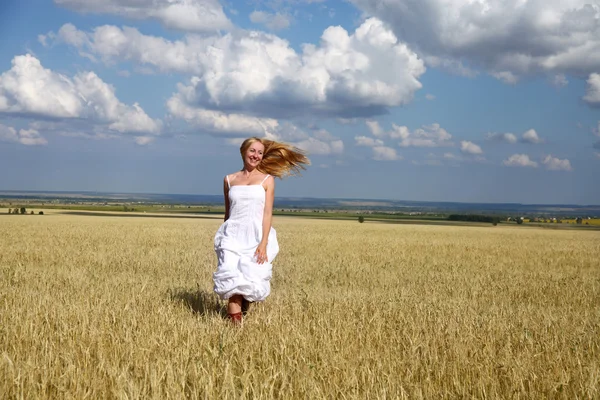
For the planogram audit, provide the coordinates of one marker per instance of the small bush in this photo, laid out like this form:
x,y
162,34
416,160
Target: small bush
x,y
361,219
41,213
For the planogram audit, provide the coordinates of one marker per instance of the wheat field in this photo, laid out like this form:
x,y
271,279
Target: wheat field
x,y
122,307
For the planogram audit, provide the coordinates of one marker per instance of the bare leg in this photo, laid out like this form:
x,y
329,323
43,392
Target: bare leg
x,y
235,304
234,308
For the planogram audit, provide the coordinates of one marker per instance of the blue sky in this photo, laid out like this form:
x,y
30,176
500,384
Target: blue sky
x,y
437,100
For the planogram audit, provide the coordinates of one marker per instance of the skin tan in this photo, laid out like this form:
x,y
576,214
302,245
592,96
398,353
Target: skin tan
x,y
249,175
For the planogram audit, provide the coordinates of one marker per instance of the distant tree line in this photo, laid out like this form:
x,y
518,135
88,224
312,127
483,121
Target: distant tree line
x,y
21,211
474,218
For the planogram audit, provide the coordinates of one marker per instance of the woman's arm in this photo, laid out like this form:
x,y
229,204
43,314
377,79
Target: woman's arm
x,y
226,197
261,251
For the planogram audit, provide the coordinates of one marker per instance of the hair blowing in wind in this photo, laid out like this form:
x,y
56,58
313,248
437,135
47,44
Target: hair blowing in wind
x,y
279,159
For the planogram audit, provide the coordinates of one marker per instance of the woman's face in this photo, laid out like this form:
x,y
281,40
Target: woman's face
x,y
254,154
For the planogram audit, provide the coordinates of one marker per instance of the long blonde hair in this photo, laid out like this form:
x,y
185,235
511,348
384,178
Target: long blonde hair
x,y
279,159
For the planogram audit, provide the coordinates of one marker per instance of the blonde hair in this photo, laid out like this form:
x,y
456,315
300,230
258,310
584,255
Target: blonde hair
x,y
279,159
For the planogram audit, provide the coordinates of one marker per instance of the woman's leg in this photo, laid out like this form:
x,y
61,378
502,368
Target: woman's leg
x,y
234,308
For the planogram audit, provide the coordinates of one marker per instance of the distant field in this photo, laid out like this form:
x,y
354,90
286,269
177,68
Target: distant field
x,y
121,307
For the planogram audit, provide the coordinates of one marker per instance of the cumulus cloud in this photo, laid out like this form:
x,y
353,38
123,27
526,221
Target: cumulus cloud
x,y
232,124
452,156
520,160
30,90
367,141
313,145
274,22
384,153
559,80
27,137
592,95
381,152
502,137
397,132
347,75
531,136
186,15
556,164
468,147
507,38
144,140
427,136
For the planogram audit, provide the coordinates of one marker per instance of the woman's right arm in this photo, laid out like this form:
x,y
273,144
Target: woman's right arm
x,y
226,196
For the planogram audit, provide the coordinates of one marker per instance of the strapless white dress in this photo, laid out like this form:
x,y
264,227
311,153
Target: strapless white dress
x,y
235,244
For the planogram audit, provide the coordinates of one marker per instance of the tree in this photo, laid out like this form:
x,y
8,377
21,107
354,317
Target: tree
x,y
519,221
23,210
361,219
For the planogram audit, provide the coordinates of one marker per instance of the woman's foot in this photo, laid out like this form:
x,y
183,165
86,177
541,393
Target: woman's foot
x,y
235,318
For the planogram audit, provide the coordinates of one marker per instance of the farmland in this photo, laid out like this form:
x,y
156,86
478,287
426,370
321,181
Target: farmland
x,y
122,307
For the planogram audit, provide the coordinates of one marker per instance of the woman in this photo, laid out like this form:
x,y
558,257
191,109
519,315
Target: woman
x,y
246,244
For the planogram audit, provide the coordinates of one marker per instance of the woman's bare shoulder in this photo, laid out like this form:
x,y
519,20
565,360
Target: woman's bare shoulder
x,y
232,176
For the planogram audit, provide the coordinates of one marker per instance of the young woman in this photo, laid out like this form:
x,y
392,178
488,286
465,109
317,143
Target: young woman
x,y
246,244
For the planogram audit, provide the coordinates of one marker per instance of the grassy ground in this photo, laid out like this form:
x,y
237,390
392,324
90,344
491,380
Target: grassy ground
x,y
118,307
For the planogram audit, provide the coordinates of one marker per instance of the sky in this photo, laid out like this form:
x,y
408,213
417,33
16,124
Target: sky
x,y
491,101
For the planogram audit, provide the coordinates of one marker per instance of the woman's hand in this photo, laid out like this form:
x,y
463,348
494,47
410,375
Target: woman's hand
x,y
261,253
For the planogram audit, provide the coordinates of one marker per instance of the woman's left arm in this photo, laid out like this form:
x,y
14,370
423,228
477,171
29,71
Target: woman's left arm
x,y
261,251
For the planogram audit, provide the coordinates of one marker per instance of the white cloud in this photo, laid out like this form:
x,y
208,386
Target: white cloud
x,y
531,136
557,164
143,140
520,160
468,147
314,146
383,153
597,154
375,128
28,137
247,72
30,90
221,123
233,127
186,15
397,132
559,80
427,136
452,156
507,38
368,141
505,76
502,137
592,95
274,22
429,96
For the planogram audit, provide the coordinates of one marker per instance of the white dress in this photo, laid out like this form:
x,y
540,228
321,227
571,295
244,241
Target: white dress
x,y
235,244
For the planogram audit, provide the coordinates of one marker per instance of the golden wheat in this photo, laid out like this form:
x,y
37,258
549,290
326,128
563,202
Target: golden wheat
x,y
122,307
